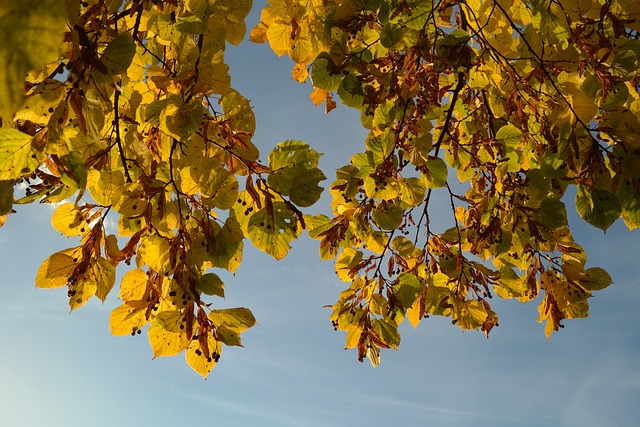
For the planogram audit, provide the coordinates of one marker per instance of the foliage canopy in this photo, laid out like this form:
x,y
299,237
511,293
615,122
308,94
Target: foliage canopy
x,y
127,111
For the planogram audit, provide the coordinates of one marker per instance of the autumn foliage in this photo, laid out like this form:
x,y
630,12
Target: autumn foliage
x,y
125,110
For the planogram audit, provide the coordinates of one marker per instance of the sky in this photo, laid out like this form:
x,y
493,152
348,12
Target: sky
x,y
66,369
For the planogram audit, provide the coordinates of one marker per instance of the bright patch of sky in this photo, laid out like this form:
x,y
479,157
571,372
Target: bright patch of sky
x,y
66,369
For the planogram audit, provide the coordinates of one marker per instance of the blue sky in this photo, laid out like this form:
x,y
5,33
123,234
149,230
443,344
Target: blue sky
x,y
66,369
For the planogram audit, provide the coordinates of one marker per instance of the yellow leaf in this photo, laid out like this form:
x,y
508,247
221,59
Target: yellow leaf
x,y
258,33
111,249
199,360
353,335
300,74
56,270
166,336
18,156
6,197
127,320
347,261
29,38
301,51
133,286
106,185
68,220
39,105
104,274
81,291
318,96
279,36
154,251
416,312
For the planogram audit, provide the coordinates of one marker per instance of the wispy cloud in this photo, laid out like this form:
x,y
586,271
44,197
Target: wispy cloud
x,y
599,399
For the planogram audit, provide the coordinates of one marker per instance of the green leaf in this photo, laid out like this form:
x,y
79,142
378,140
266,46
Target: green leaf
x,y
190,24
119,53
210,284
351,92
390,35
387,332
234,319
595,279
509,135
182,121
295,173
324,73
437,173
630,203
600,208
225,251
553,213
388,216
407,289
238,112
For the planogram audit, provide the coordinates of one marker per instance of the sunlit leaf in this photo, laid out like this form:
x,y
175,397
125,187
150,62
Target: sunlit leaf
x,y
18,154
166,333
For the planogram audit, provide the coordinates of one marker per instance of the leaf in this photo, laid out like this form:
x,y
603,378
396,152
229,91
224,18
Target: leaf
x,y
200,361
68,220
127,320
119,53
600,208
29,38
387,333
154,252
295,173
225,250
56,270
6,197
595,279
324,74
390,35
553,213
18,155
39,106
80,291
407,289
166,336
271,229
301,74
234,319
388,216
279,36
471,315
104,274
351,92
210,284
437,173
133,286
346,262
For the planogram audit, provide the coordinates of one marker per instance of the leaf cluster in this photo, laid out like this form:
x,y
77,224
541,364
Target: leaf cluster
x,y
497,107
